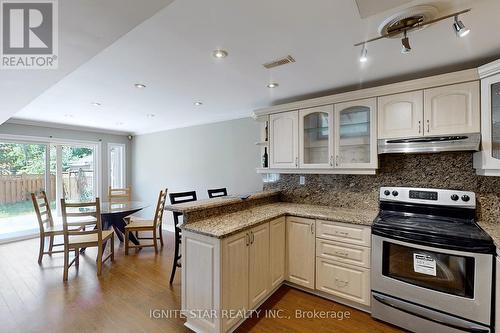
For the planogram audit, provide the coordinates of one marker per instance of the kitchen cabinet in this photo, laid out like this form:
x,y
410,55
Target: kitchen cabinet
x,y
346,281
400,115
300,249
316,137
344,233
356,135
487,161
452,109
342,252
277,251
284,149
497,296
259,284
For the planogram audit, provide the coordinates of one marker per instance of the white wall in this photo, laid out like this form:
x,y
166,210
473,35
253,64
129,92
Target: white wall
x,y
196,158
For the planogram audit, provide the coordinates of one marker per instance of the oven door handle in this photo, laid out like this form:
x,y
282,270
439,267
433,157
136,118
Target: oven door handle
x,y
431,315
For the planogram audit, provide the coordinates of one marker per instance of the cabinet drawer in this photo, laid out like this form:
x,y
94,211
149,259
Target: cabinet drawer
x,y
343,232
343,252
342,280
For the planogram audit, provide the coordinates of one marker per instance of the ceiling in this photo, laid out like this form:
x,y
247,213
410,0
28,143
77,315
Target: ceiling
x,y
171,53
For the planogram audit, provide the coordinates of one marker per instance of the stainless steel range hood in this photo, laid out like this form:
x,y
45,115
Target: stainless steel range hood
x,y
430,144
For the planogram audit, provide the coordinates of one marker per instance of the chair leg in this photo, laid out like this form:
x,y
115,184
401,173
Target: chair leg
x,y
176,256
77,257
155,243
113,248
126,242
99,260
42,248
66,263
51,244
161,235
137,234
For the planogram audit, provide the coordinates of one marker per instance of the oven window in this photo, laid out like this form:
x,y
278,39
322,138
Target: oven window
x,y
438,271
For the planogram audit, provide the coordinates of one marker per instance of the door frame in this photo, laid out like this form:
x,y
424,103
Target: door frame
x,y
124,161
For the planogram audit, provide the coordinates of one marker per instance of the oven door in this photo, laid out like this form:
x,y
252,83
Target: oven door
x,y
454,282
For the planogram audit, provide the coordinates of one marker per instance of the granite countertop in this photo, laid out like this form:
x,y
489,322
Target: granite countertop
x,y
217,202
493,230
225,225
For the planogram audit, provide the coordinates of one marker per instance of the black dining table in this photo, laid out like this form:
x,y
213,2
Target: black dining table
x,y
112,214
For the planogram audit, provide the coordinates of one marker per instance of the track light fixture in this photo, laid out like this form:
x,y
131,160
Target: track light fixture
x,y
460,28
364,54
405,26
406,48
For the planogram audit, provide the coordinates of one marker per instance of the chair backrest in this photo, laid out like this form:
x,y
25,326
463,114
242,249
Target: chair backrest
x,y
119,194
72,213
217,192
42,210
160,207
181,197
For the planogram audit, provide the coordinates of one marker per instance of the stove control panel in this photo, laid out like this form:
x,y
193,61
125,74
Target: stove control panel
x,y
429,196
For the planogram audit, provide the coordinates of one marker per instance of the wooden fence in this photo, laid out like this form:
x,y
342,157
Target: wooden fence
x,y
16,188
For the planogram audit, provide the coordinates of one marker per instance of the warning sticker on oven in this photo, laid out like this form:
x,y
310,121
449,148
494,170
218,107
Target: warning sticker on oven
x,y
424,264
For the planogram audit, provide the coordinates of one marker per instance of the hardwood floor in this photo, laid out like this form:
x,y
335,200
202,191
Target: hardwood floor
x,y
34,298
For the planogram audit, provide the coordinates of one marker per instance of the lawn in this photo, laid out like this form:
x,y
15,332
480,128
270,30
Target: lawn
x,y
19,208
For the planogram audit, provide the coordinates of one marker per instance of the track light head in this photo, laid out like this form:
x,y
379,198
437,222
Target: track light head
x,y
364,55
406,48
460,28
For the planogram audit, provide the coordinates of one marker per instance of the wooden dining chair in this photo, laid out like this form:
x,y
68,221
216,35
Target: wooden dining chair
x,y
119,194
217,192
80,238
135,224
46,225
177,198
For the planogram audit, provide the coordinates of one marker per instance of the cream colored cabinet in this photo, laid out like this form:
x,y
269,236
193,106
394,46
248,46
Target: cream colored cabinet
x,y
300,243
487,161
497,295
346,281
343,232
316,137
235,275
356,134
259,284
400,115
452,109
277,251
284,149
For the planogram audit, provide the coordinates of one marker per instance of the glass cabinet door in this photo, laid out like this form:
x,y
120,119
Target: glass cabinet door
x,y
315,137
495,120
355,137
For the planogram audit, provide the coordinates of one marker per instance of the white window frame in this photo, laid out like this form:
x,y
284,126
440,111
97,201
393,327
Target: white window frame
x,y
123,162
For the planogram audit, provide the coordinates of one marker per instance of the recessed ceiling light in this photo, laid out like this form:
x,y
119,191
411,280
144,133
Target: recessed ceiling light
x,y
198,103
139,85
96,104
272,85
220,54
150,115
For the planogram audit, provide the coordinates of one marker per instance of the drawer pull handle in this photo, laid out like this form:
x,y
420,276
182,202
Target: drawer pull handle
x,y
342,233
341,283
343,254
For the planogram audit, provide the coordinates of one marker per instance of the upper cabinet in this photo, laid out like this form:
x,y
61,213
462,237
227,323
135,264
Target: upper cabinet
x,y
400,115
355,135
446,110
452,109
284,140
487,161
316,137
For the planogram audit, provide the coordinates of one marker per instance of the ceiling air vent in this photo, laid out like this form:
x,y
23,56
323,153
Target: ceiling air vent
x,y
279,62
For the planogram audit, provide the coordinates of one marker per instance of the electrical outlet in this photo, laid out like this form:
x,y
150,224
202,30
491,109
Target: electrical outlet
x,y
302,180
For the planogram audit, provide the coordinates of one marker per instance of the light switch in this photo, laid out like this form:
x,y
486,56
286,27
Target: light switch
x,y
302,180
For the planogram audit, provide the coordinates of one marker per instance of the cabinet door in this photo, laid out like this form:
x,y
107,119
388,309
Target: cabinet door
x,y
259,283
277,246
284,140
315,137
300,251
342,280
234,284
452,109
355,134
401,115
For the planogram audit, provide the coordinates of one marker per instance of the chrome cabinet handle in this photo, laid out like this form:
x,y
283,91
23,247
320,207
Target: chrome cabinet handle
x,y
342,254
247,239
341,233
337,160
428,126
296,161
253,237
341,283
312,228
419,127
331,160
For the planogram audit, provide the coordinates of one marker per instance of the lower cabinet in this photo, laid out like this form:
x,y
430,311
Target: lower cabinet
x,y
346,281
259,283
300,249
277,251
